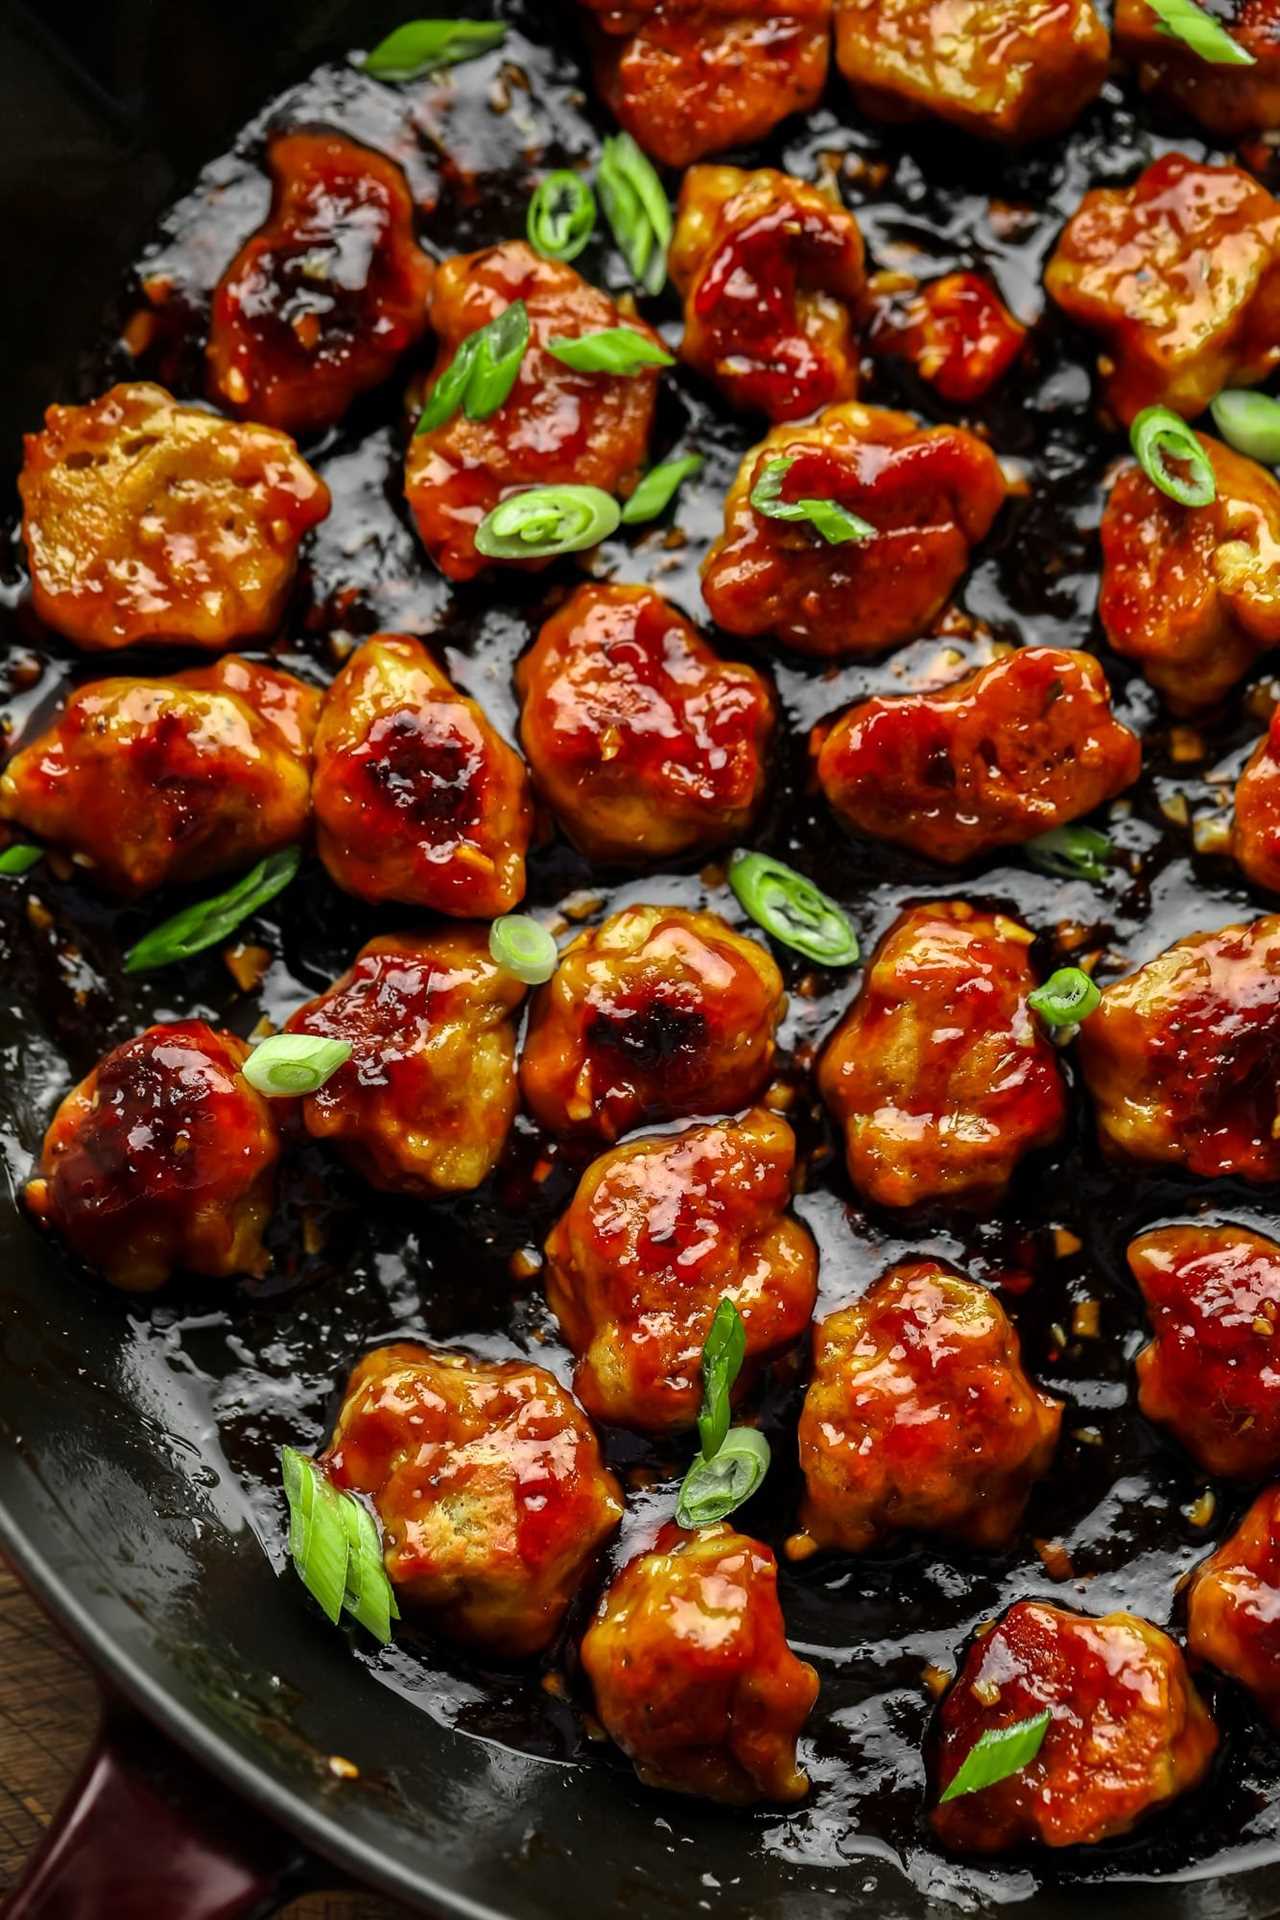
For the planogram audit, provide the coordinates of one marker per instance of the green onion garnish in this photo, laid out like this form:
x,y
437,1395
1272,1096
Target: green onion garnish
x,y
793,910
1250,422
335,1547
637,209
1066,998
522,945
562,216
209,921
20,858
658,489
723,1353
543,521
1075,853
1185,21
1157,436
293,1063
999,1752
482,372
618,350
713,1488
832,521
421,46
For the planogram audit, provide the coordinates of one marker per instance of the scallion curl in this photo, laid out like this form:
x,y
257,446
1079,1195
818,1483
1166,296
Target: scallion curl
x,y
540,522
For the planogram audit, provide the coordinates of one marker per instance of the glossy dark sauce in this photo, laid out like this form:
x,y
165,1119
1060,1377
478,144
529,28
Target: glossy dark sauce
x,y
270,1359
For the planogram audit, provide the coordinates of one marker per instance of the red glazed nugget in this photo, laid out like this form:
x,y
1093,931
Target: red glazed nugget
x,y
645,745
1212,1370
1011,70
1193,593
1233,1611
556,427
771,273
1255,838
146,782
920,1418
692,77
149,523
321,302
692,1674
658,1233
417,798
1180,275
1183,1057
426,1101
1021,746
1229,101
939,1076
657,1014
161,1161
957,331
1128,1732
489,1485
931,493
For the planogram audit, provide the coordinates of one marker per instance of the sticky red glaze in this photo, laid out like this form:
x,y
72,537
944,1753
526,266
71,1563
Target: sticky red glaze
x,y
489,1485
957,332
656,1014
556,427
321,302
151,781
643,742
1212,1371
1233,1611
1016,748
771,273
147,522
658,1233
417,797
1128,1734
1180,275
1224,100
426,1101
1193,593
691,77
931,493
162,1160
939,1076
1255,839
920,1417
692,1674
1182,1056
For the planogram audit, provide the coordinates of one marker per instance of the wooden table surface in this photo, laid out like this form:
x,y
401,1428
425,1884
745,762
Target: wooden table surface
x,y
48,1710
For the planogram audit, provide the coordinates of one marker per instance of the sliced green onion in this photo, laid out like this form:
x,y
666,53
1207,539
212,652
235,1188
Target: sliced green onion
x,y
421,46
1250,422
482,372
723,1353
562,216
369,1597
20,858
1185,21
637,209
658,489
209,921
713,1488
832,521
1159,435
522,946
1066,998
293,1063
620,350
793,910
1075,853
543,521
334,1545
999,1752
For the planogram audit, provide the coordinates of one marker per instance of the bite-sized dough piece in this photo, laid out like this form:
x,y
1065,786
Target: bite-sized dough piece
x,y
692,77
940,1077
657,1014
1229,101
1014,749
148,782
920,1417
417,797
1255,835
1180,275
657,1235
1128,1733
489,1485
692,1674
1193,593
931,493
426,1101
643,742
162,1161
148,523
957,332
1212,1369
1012,70
1233,1610
555,428
1183,1057
320,303
771,273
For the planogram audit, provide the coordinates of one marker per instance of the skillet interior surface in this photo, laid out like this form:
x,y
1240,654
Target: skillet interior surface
x,y
137,1440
